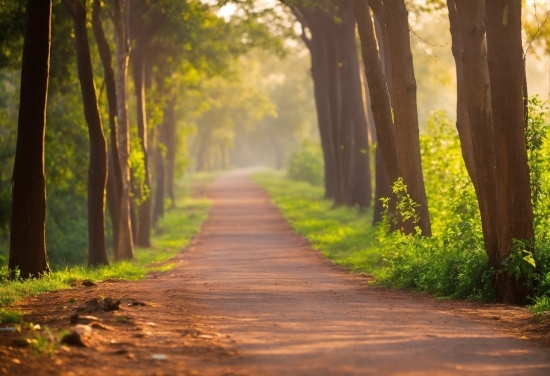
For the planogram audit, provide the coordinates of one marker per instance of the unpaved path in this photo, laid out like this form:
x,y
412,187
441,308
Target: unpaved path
x,y
249,297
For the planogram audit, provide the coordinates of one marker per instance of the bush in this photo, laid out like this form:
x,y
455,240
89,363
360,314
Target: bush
x,y
453,262
306,164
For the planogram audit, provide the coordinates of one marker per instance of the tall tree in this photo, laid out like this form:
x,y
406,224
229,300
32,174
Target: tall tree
x,y
143,238
507,75
487,47
120,20
27,241
379,94
97,169
360,190
382,181
318,52
114,177
471,29
405,108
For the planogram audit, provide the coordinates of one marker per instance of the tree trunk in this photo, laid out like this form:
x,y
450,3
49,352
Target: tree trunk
x,y
28,217
171,147
462,119
126,242
405,111
383,183
335,106
360,190
319,73
472,33
379,95
114,176
144,210
97,169
506,73
158,207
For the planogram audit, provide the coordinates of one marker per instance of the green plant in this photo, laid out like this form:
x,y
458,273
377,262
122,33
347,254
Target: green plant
x,y
306,164
8,316
44,342
520,263
542,304
405,205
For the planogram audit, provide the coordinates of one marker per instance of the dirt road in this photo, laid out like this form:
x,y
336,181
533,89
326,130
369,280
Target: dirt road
x,y
263,303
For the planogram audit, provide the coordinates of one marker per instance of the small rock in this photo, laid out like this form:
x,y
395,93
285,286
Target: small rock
x,y
110,305
88,283
98,325
150,324
159,357
120,352
136,303
73,339
16,361
83,330
85,319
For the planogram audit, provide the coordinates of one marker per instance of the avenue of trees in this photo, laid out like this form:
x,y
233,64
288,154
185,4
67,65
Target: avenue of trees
x,y
176,60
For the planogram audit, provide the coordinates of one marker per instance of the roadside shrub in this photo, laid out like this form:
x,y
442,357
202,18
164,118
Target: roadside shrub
x,y
306,164
453,262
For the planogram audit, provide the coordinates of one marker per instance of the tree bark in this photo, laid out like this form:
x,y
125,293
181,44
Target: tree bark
x,y
472,33
462,117
360,189
335,106
170,142
97,169
405,111
160,175
319,73
144,210
28,218
114,175
379,95
506,73
383,183
126,242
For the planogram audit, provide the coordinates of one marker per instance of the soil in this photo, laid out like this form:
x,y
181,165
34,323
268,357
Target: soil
x,y
250,297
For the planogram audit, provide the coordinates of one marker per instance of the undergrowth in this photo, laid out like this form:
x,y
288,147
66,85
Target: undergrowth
x,y
171,235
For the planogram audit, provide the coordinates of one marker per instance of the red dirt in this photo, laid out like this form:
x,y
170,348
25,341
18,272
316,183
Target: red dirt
x,y
249,297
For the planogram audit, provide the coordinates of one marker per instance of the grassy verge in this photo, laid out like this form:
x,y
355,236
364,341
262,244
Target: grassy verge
x,y
342,234
171,235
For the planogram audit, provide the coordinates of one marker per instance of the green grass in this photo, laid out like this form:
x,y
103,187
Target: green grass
x,y
171,235
8,316
342,234
542,304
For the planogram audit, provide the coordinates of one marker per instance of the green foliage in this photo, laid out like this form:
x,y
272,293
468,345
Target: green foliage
x,y
405,205
453,262
44,342
8,316
341,234
542,304
306,164
520,263
538,153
